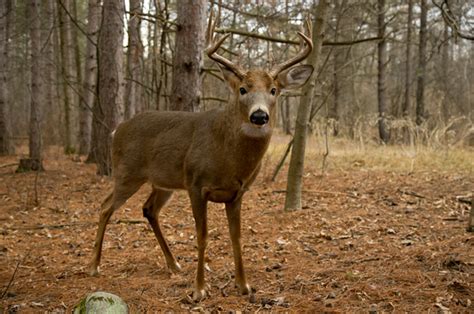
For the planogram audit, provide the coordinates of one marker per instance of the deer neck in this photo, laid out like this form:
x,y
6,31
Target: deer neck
x,y
244,138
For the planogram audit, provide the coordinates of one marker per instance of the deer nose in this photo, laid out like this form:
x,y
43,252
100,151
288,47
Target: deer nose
x,y
259,117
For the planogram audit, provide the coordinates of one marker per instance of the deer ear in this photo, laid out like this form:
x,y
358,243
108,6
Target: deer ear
x,y
295,77
232,79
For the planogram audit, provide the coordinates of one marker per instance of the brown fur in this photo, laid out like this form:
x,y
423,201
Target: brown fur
x,y
214,155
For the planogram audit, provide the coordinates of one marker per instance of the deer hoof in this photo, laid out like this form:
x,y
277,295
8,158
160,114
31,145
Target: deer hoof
x,y
174,267
94,271
199,295
244,288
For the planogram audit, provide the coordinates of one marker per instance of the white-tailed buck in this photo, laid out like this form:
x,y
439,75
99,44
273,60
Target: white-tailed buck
x,y
214,155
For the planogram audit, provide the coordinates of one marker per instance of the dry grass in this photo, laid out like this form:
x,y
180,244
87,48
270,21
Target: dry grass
x,y
348,155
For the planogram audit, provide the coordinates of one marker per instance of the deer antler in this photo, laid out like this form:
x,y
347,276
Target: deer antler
x,y
303,54
213,46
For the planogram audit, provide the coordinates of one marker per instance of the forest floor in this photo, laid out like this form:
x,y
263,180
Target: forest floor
x,y
382,230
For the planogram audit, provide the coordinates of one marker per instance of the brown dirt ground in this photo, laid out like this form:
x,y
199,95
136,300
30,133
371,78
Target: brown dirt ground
x,y
365,241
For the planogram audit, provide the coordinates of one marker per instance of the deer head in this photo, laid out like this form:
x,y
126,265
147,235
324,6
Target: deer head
x,y
255,91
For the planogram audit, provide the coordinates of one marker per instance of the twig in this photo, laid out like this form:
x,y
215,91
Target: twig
x,y
369,259
76,224
130,221
14,273
36,189
326,141
317,192
282,160
58,226
9,165
411,193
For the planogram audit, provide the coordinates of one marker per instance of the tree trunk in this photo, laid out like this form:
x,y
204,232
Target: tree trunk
x,y
67,58
406,103
186,86
48,70
295,172
6,144
110,81
36,88
133,59
338,64
382,64
445,73
470,226
90,78
421,72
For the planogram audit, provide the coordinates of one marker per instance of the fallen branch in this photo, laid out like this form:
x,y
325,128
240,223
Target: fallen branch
x,y
75,224
317,192
14,273
411,193
129,221
9,165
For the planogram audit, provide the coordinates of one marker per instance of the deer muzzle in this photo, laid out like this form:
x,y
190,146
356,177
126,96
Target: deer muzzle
x,y
259,115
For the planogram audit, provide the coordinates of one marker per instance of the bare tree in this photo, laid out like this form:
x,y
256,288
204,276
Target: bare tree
x,y
406,103
133,59
88,92
6,145
68,75
382,65
35,143
421,71
445,71
110,80
295,172
186,86
48,68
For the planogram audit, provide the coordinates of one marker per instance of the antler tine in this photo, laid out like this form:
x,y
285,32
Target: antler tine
x,y
214,45
303,54
210,28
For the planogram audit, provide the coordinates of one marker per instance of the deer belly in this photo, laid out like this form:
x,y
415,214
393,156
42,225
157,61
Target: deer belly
x,y
219,195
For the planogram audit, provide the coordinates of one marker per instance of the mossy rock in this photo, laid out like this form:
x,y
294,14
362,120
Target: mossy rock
x,y
101,302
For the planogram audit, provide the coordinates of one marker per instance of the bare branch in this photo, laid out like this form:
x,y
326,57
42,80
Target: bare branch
x,y
451,20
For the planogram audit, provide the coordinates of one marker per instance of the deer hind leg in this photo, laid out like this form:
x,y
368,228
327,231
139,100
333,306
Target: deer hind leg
x,y
121,193
151,211
233,218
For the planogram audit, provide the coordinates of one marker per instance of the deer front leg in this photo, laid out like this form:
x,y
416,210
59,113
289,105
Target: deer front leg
x,y
199,206
233,218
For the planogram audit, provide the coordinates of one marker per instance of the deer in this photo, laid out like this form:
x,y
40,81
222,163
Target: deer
x,y
214,155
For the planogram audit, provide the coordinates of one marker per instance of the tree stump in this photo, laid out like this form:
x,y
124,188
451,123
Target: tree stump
x,y
30,164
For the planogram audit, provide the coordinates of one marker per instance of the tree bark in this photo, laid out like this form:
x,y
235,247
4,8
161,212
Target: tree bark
x,y
6,144
90,78
295,172
406,103
36,85
186,84
110,81
67,58
48,70
421,72
445,73
133,59
381,65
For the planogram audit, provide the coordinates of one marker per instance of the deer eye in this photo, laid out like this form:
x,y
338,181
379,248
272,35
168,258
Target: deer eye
x,y
273,91
243,91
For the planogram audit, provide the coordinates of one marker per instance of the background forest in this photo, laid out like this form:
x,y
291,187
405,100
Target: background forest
x,y
403,66
374,222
